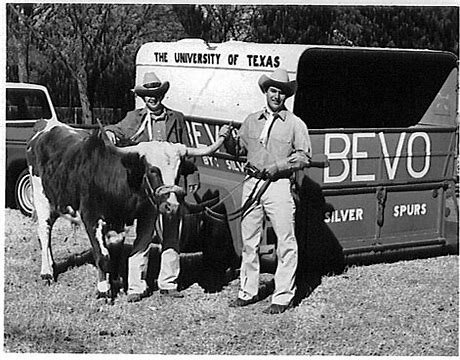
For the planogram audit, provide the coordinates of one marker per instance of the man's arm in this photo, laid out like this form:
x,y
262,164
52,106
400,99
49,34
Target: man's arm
x,y
302,141
299,159
124,129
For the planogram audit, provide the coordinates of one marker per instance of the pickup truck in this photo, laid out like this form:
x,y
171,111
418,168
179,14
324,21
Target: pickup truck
x,y
25,104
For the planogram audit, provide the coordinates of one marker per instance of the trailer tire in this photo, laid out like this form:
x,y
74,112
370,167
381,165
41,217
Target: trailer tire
x,y
23,193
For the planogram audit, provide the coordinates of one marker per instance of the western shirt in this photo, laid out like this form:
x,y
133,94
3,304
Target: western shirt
x,y
174,127
156,126
286,135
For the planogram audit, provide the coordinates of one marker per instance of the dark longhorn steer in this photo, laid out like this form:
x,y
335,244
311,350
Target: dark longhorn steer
x,y
77,173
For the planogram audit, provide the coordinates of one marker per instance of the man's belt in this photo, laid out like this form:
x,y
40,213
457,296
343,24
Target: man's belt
x,y
254,172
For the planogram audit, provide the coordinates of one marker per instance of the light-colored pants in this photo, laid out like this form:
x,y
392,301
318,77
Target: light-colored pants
x,y
277,203
137,270
139,257
169,270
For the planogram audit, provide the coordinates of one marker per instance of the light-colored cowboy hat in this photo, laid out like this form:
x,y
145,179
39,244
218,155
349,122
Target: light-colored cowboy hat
x,y
279,79
151,86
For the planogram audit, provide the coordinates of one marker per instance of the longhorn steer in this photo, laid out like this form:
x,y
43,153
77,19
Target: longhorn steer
x,y
75,172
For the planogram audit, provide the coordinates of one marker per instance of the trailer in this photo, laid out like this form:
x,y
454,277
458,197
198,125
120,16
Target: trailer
x,y
386,118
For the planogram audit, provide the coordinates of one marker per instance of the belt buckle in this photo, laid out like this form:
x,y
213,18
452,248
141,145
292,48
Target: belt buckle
x,y
251,170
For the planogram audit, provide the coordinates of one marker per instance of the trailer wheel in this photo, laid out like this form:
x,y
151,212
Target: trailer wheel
x,y
23,193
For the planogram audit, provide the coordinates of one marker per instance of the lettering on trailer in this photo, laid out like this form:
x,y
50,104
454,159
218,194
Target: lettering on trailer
x,y
210,161
348,149
357,214
203,134
235,165
344,215
351,152
409,210
250,60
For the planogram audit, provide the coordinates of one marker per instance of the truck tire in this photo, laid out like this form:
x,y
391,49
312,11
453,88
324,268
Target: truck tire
x,y
23,193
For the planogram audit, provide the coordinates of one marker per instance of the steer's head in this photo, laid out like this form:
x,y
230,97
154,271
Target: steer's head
x,y
162,161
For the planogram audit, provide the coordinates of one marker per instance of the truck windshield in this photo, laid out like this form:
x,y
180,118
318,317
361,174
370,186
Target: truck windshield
x,y
26,104
350,88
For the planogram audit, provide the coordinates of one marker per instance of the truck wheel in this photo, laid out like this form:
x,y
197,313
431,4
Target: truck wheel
x,y
23,193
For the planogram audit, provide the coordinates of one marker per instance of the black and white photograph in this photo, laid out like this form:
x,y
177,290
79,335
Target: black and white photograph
x,y
230,179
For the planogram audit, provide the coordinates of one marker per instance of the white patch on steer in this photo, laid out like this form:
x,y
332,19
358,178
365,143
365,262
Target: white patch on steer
x,y
114,238
73,216
100,237
179,234
51,124
159,226
42,209
103,286
164,155
172,199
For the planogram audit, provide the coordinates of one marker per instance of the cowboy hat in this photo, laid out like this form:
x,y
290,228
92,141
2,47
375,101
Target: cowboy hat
x,y
279,79
151,86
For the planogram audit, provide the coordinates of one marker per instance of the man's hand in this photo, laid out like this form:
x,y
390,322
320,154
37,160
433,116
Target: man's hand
x,y
271,171
284,167
193,188
111,136
225,131
299,160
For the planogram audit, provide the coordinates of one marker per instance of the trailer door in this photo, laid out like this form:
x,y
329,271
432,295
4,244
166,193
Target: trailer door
x,y
387,121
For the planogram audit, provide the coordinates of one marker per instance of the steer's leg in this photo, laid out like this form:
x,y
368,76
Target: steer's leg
x,y
95,231
114,240
45,223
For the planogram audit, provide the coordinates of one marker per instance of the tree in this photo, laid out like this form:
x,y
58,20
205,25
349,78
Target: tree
x,y
89,38
217,23
85,53
20,38
433,28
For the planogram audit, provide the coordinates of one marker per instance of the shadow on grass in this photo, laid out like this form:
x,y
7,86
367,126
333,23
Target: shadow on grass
x,y
208,257
82,258
320,252
207,254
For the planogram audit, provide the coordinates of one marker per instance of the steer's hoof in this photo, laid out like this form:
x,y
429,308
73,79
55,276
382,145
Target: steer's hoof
x,y
102,294
106,297
47,278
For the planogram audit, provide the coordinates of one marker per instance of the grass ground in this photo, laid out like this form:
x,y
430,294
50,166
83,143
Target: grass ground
x,y
404,308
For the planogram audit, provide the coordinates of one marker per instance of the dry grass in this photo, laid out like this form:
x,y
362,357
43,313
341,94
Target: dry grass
x,y
405,308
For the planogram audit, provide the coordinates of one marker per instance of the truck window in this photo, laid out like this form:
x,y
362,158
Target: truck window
x,y
359,88
26,104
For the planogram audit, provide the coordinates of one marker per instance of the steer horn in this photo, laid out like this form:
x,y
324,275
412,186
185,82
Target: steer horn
x,y
104,136
206,150
187,151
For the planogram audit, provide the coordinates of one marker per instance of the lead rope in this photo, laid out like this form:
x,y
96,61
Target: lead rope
x,y
149,191
209,209
246,208
243,210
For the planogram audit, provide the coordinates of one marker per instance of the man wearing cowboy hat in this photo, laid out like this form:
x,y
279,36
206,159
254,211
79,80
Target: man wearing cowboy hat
x,y
154,122
276,143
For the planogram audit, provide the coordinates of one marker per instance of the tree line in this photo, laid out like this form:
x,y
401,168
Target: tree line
x,y
85,53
